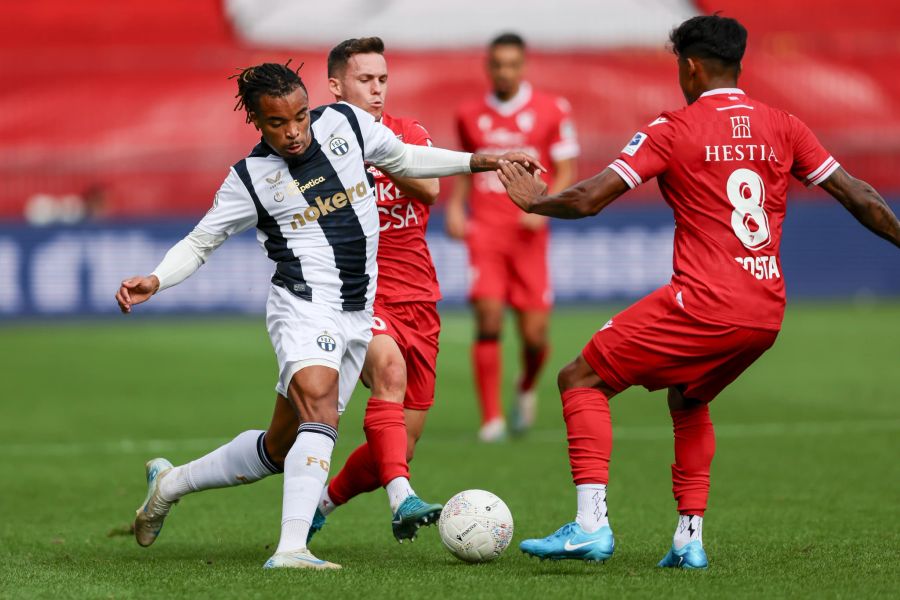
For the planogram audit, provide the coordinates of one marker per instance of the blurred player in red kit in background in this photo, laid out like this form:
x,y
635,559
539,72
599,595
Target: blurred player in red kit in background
x,y
723,163
508,249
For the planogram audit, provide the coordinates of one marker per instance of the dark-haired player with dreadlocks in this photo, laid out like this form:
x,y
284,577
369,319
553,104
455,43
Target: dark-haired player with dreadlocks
x,y
723,163
306,190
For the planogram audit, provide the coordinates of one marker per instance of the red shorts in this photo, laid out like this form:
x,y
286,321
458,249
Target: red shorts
x,y
510,265
415,327
656,343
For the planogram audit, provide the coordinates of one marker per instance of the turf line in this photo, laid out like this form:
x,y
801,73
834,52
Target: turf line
x,y
621,433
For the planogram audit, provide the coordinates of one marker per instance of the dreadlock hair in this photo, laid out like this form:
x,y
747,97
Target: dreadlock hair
x,y
267,79
340,54
711,37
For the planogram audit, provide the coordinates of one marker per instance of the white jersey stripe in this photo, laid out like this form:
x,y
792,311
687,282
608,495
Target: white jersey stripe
x,y
316,216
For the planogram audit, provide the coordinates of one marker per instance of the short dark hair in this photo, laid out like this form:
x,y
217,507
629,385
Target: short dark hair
x,y
340,54
508,39
267,79
712,38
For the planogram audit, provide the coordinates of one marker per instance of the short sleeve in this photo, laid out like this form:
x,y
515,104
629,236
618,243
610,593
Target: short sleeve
x,y
379,141
232,211
812,162
647,154
417,135
564,140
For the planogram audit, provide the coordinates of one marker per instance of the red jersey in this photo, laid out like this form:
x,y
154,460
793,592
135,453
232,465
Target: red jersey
x,y
405,269
722,164
530,122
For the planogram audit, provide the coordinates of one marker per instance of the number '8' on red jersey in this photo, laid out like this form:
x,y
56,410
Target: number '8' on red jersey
x,y
723,165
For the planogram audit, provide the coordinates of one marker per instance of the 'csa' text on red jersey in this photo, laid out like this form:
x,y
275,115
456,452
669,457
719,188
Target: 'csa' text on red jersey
x,y
530,121
405,269
723,165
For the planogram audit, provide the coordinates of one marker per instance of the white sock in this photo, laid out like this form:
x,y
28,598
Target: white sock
x,y
592,513
326,504
398,490
242,460
305,472
690,528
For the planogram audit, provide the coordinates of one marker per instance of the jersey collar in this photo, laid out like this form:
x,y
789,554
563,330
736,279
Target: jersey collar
x,y
514,104
718,91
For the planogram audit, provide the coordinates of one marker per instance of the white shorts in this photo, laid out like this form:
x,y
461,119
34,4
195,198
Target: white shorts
x,y
304,334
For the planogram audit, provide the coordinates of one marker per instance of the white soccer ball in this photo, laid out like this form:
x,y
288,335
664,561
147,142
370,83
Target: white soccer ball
x,y
476,526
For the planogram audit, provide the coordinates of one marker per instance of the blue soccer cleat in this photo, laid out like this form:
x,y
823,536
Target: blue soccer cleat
x,y
690,556
413,513
318,523
572,542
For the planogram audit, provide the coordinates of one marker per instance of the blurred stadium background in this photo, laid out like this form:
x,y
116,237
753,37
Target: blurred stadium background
x,y
117,127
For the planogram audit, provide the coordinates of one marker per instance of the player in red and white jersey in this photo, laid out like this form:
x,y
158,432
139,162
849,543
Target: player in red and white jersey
x,y
508,249
400,363
723,164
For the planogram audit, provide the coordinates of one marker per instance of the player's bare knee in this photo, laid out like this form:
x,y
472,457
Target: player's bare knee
x,y
489,322
567,377
389,380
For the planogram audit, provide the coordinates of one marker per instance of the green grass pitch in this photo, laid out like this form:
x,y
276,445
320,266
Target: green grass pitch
x,y
805,492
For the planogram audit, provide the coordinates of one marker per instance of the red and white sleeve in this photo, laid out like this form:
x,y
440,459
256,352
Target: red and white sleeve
x,y
812,162
646,155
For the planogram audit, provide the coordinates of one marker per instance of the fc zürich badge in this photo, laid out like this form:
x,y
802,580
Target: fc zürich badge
x,y
326,342
339,146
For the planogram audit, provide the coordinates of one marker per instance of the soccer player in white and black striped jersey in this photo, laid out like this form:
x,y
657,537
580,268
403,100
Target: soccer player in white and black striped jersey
x,y
306,189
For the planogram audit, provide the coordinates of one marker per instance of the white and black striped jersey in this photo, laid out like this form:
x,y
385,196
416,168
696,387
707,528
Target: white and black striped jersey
x,y
315,215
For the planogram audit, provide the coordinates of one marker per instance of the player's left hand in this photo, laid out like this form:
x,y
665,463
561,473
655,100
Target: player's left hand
x,y
531,164
524,188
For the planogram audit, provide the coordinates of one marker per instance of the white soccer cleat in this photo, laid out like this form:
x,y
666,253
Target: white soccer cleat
x,y
299,559
152,513
525,410
493,431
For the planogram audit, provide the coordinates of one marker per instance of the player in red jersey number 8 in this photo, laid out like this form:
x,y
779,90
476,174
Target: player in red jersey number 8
x,y
724,305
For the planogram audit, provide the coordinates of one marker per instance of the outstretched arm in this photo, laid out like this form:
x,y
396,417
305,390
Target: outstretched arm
x,y
409,160
180,262
864,203
584,199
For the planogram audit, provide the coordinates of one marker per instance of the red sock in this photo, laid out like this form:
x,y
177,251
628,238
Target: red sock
x,y
532,361
385,429
486,359
589,428
695,445
358,476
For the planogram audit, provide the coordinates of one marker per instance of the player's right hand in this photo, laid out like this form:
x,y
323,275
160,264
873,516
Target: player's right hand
x,y
455,222
136,290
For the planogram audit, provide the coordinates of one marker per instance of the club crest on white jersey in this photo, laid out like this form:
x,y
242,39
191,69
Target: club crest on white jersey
x,y
315,214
